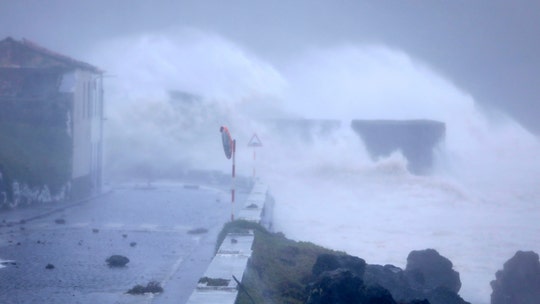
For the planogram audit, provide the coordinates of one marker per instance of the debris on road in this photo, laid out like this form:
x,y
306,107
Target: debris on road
x,y
151,287
117,261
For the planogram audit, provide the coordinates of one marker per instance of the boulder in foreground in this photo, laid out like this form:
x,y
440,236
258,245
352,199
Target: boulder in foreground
x,y
519,280
117,261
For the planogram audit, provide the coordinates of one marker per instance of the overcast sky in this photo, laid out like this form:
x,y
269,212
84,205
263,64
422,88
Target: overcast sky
x,y
490,49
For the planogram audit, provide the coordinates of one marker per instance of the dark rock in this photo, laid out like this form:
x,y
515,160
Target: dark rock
x,y
377,294
133,244
443,295
430,270
336,286
49,266
60,221
342,286
392,278
117,261
95,230
428,275
329,262
519,281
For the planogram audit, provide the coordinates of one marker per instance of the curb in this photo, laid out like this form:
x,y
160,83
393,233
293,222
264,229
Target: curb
x,y
219,283
46,213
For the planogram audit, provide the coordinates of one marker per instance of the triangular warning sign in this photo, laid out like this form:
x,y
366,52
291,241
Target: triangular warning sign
x,y
255,141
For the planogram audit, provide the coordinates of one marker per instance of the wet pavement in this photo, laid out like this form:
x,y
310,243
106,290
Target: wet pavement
x,y
153,227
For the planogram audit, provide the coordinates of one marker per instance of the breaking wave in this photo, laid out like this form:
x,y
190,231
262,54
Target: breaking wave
x,y
170,93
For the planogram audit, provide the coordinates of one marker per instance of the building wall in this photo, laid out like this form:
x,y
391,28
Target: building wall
x,y
35,150
87,125
51,111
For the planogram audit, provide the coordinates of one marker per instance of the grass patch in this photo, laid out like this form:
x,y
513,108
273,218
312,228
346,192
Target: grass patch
x,y
214,282
239,226
278,269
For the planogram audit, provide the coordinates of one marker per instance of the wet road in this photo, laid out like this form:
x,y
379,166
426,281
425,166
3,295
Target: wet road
x,y
152,227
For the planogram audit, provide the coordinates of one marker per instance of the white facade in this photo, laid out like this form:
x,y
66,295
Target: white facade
x,y
87,126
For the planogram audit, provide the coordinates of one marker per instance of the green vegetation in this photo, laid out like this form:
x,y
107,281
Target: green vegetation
x,y
35,155
279,268
214,282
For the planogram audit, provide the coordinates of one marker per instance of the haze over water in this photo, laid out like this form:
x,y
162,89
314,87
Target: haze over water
x,y
478,206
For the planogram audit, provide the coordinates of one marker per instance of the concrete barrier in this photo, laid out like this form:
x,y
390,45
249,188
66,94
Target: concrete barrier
x,y
217,284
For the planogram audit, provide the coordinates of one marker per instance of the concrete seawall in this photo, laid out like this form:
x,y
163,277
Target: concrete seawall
x,y
217,284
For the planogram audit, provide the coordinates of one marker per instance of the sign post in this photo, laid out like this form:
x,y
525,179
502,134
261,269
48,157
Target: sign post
x,y
229,147
254,142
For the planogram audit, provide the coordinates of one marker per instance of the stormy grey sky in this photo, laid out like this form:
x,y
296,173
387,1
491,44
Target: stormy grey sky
x,y
488,48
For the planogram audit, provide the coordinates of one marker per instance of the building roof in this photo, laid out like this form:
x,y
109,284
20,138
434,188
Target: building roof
x,y
26,54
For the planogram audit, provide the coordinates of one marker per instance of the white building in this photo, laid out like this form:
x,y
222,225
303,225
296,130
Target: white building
x,y
42,92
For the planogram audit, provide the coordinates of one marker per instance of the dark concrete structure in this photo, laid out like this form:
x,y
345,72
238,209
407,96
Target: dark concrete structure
x,y
306,130
416,139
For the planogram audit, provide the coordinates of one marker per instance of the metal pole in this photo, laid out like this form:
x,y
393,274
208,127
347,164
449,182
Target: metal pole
x,y
254,158
233,177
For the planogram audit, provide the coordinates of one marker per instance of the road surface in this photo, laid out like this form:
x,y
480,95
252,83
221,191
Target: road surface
x,y
153,227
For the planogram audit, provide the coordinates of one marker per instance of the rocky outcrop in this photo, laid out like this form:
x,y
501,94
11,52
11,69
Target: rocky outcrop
x,y
428,275
342,286
427,278
427,269
519,280
329,262
416,139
